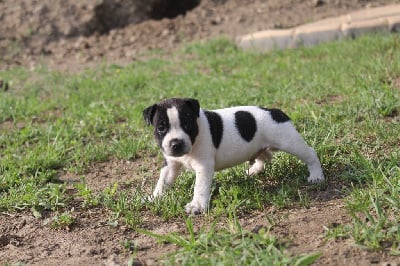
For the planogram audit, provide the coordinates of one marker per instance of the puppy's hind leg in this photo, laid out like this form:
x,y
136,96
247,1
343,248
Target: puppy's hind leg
x,y
258,165
292,142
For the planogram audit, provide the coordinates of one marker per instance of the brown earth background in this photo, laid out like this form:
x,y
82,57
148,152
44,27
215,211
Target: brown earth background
x,y
70,35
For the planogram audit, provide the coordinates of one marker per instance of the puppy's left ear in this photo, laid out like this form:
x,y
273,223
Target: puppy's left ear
x,y
194,104
148,114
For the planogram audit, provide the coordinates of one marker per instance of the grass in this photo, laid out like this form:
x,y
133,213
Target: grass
x,y
63,220
233,246
343,97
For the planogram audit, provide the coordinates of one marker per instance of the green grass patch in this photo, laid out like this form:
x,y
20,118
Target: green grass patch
x,y
228,247
343,97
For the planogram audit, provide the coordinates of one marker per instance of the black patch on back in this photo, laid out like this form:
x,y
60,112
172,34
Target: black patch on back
x,y
216,127
246,125
277,115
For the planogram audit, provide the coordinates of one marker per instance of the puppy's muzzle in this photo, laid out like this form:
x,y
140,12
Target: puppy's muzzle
x,y
177,147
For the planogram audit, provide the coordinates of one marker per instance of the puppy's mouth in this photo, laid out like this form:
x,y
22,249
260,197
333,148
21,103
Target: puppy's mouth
x,y
177,153
177,148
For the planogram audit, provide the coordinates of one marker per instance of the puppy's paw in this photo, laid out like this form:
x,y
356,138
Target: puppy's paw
x,y
195,208
316,179
254,170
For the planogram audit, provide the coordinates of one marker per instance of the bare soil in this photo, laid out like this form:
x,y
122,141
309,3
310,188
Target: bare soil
x,y
69,36
91,240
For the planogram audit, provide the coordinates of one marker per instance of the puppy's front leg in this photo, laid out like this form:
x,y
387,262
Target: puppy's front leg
x,y
202,190
167,178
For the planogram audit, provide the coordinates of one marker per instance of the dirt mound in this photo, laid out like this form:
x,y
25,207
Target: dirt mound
x,y
69,33
53,20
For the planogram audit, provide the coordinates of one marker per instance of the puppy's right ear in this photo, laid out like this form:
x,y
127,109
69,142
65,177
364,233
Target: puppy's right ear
x,y
194,104
148,114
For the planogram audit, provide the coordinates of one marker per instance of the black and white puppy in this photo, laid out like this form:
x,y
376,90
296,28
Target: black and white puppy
x,y
209,141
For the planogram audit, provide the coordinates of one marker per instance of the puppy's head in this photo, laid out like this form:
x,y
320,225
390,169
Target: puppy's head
x,y
175,124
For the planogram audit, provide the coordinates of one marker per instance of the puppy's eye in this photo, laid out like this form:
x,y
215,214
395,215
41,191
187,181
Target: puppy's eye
x,y
161,128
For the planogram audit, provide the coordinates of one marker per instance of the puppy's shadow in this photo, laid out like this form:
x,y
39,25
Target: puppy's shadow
x,y
282,183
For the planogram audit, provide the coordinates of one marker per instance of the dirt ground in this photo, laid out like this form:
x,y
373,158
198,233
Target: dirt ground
x,y
68,36
91,240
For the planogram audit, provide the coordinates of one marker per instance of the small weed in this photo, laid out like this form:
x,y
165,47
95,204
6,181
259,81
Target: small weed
x,y
62,221
83,191
123,205
228,201
129,245
337,231
304,198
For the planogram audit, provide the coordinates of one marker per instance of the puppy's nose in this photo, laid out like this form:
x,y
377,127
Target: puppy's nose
x,y
176,144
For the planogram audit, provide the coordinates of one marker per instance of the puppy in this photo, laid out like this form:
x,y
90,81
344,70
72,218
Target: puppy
x,y
208,141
